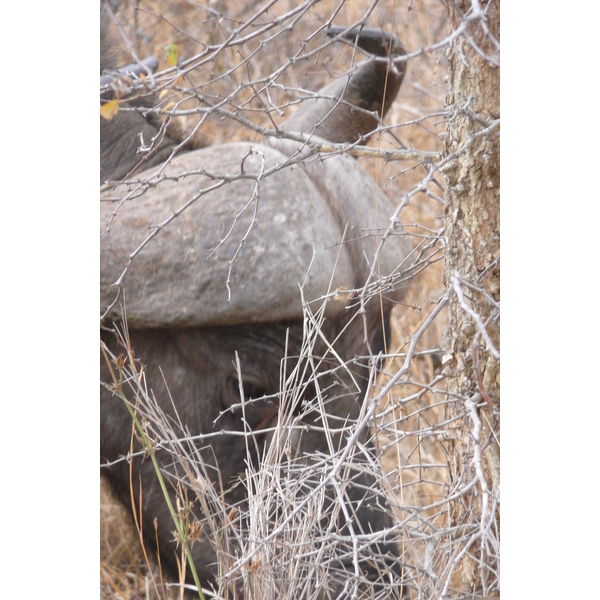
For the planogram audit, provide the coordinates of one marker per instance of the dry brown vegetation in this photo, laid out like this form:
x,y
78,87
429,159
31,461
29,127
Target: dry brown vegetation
x,y
413,419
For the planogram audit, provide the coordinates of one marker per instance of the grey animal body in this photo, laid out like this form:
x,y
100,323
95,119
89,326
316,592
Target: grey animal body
x,y
122,136
196,299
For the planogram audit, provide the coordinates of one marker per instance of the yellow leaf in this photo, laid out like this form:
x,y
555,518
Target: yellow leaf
x,y
110,109
172,54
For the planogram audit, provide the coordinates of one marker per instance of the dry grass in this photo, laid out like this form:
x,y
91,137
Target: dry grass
x,y
415,462
124,572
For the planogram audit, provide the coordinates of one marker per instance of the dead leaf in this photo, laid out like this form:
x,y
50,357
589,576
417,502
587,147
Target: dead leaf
x,y
172,54
110,109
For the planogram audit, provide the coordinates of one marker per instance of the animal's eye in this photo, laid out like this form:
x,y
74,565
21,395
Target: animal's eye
x,y
253,390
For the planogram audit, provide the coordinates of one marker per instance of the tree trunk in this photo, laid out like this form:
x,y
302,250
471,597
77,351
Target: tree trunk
x,y
472,236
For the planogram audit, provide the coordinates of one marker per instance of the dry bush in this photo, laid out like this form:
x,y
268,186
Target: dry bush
x,y
412,421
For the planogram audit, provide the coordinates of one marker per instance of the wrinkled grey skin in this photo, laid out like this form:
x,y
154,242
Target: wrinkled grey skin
x,y
183,327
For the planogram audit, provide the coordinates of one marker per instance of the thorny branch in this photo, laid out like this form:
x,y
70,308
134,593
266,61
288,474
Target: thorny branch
x,y
406,405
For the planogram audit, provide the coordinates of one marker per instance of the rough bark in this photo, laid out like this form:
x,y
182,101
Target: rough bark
x,y
472,235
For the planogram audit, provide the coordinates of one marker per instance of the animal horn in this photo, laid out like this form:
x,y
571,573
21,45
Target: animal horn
x,y
350,107
371,40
